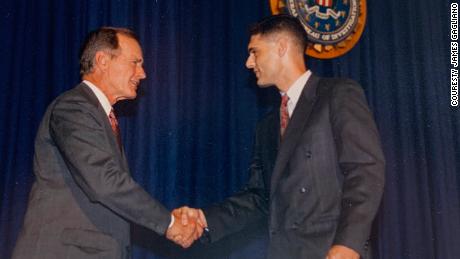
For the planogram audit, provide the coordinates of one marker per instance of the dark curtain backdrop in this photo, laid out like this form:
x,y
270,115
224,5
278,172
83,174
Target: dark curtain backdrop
x,y
189,133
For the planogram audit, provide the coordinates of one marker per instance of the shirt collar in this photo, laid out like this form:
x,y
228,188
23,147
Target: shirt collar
x,y
103,100
295,90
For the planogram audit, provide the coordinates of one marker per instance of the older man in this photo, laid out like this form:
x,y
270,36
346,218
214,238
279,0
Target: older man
x,y
84,196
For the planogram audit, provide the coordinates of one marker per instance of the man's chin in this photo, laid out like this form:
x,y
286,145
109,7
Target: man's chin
x,y
133,94
128,97
263,84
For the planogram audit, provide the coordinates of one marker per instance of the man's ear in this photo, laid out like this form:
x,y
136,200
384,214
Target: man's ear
x,y
101,60
283,44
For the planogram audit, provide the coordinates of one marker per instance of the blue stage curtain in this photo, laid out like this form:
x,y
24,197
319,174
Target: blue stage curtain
x,y
189,133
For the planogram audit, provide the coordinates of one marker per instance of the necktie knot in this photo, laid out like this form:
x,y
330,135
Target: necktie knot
x,y
284,114
284,100
115,128
112,117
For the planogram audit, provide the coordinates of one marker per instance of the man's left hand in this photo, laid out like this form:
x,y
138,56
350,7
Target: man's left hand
x,y
184,235
341,252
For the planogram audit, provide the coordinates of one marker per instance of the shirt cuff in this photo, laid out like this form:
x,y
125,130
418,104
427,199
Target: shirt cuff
x,y
172,221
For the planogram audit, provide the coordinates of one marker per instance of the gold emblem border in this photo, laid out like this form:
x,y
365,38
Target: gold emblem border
x,y
321,51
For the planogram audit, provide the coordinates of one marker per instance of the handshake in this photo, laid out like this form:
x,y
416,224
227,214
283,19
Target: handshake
x,y
188,226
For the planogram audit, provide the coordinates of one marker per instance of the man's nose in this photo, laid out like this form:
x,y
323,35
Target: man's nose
x,y
141,73
250,62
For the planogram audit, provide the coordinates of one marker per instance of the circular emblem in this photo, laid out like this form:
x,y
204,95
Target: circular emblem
x,y
333,26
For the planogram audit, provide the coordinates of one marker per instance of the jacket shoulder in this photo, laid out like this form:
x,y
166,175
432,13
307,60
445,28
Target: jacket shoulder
x,y
337,84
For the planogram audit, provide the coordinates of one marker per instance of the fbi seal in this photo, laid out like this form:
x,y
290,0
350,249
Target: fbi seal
x,y
333,26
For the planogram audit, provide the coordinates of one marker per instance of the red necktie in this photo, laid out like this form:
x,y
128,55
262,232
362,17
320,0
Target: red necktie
x,y
284,114
115,128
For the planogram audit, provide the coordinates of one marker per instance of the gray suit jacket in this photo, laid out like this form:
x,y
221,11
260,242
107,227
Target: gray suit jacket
x,y
84,196
321,185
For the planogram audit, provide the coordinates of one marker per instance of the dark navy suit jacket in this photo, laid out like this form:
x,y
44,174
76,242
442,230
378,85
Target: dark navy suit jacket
x,y
321,185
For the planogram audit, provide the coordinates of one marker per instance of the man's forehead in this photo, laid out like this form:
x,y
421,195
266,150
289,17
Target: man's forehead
x,y
255,39
130,45
259,39
124,40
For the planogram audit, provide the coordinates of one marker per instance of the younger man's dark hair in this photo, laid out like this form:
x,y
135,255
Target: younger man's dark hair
x,y
281,23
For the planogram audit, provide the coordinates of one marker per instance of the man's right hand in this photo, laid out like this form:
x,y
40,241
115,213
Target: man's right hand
x,y
187,214
183,234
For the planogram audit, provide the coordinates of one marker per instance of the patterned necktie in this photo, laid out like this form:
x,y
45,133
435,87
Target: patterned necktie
x,y
284,114
115,128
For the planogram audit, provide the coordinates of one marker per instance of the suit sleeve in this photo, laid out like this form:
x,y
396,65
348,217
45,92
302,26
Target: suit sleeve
x,y
96,168
361,161
243,208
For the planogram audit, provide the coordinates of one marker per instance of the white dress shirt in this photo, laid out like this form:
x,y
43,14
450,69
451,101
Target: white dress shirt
x,y
295,90
103,100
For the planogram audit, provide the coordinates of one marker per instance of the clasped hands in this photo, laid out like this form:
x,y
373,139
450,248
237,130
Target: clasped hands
x,y
188,226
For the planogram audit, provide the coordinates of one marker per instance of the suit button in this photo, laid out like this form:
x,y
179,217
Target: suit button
x,y
308,154
304,190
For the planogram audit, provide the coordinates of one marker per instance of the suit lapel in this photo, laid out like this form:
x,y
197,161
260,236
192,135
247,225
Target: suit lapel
x,y
271,139
294,129
102,116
